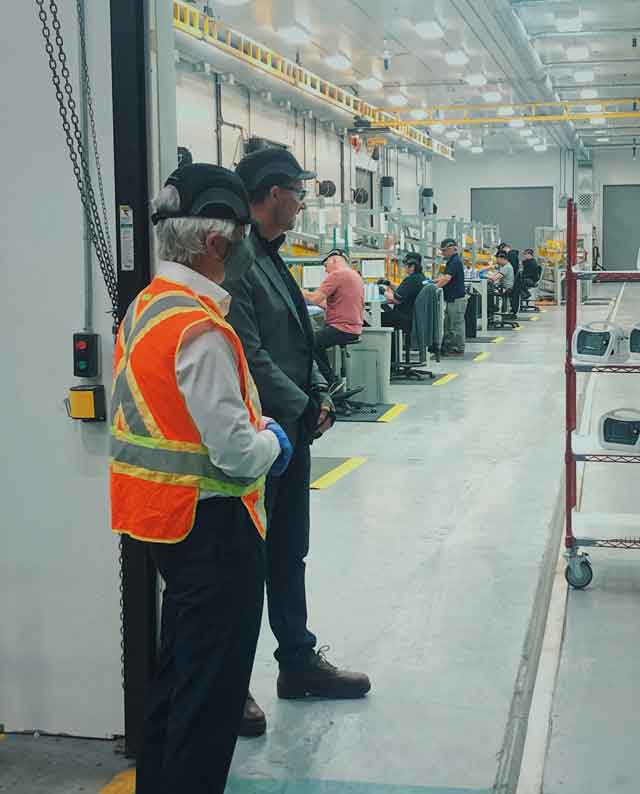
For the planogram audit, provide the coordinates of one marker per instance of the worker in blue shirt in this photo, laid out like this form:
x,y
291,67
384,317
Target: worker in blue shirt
x,y
455,298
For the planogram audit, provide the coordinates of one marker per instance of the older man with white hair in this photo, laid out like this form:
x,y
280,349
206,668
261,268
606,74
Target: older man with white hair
x,y
189,454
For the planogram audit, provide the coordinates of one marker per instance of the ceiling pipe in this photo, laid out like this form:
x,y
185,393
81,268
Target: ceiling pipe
x,y
579,64
497,26
580,34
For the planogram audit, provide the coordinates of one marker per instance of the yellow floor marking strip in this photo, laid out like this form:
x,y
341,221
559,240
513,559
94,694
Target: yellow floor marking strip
x,y
482,356
534,319
391,414
124,783
519,328
445,379
338,473
498,340
3,736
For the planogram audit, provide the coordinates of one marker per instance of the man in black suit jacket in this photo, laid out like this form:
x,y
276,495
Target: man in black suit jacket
x,y
269,313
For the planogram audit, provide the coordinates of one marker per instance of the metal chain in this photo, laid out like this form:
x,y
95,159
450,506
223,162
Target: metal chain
x,y
76,150
92,120
98,228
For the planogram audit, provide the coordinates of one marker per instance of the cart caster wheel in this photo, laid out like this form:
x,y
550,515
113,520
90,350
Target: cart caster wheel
x,y
581,579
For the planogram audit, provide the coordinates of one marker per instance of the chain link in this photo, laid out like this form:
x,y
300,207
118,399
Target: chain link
x,y
98,227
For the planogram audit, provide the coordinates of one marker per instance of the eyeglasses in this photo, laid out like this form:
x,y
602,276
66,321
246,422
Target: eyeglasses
x,y
300,192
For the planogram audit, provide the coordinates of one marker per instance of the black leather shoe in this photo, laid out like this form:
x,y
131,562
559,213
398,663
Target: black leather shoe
x,y
254,721
318,678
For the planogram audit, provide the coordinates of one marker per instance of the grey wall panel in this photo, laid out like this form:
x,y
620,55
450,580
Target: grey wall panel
x,y
518,210
620,226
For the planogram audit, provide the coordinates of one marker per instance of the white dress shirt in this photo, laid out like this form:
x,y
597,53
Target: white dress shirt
x,y
207,374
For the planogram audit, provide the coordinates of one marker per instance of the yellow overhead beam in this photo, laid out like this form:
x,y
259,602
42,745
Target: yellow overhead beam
x,y
478,121
190,20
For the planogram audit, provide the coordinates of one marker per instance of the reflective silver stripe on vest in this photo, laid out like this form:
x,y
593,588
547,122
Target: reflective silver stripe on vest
x,y
123,398
161,305
166,461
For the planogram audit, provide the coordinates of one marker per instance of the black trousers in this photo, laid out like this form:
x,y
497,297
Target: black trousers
x,y
211,614
324,339
287,548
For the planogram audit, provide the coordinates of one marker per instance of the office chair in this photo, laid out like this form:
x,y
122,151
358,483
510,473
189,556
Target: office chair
x,y
499,318
342,400
528,296
404,367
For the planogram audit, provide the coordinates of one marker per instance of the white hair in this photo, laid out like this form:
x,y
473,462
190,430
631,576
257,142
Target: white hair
x,y
183,239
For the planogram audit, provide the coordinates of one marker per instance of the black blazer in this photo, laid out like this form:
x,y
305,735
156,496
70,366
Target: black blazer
x,y
278,347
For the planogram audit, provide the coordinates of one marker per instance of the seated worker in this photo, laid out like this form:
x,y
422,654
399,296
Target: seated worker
x,y
503,275
343,293
402,299
512,256
531,270
455,299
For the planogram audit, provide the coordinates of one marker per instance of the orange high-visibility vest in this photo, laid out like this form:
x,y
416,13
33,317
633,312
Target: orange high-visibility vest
x,y
158,463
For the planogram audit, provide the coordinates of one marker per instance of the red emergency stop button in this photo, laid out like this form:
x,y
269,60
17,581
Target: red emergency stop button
x,y
81,345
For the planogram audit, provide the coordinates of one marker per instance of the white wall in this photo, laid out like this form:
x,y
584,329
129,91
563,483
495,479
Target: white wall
x,y
452,181
59,633
315,146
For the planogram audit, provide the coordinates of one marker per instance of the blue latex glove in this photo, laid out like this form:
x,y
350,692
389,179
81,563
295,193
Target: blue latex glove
x,y
286,450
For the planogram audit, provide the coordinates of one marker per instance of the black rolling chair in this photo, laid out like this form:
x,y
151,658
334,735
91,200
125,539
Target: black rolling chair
x,y
500,315
402,366
342,399
527,296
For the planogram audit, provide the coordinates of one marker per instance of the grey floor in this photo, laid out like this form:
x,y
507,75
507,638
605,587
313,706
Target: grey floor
x,y
595,729
424,568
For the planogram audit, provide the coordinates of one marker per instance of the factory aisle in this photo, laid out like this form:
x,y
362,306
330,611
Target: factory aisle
x,y
424,570
594,739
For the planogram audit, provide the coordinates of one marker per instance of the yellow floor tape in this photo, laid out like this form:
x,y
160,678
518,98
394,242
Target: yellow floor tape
x,y
124,783
445,379
336,474
482,356
498,340
534,319
519,328
391,414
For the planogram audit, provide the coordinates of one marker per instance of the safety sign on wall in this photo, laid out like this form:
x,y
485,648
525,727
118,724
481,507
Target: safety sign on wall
x,y
126,237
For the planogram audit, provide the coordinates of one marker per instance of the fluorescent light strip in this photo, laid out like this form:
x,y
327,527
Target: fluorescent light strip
x,y
456,57
429,30
338,61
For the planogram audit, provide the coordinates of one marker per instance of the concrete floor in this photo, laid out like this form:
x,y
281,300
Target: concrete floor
x,y
424,571
593,746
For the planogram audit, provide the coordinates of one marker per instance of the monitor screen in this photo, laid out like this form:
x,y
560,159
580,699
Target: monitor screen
x,y
372,268
634,340
593,343
616,431
313,276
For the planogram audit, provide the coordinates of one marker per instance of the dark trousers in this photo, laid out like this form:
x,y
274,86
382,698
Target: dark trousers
x,y
326,338
211,614
287,548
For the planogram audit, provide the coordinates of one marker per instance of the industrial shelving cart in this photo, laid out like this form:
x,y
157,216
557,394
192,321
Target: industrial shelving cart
x,y
600,530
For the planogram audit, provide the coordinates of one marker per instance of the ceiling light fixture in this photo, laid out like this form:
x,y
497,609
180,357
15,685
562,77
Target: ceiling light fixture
x,y
370,83
526,133
233,2
603,140
456,57
577,53
338,61
418,114
466,143
477,79
593,108
294,34
506,111
596,121
452,135
429,30
534,141
541,147
588,93
492,96
399,100
438,128
584,76
517,124
477,149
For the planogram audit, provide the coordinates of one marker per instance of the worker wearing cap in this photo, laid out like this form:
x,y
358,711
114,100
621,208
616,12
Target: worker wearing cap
x,y
342,293
271,318
189,453
403,297
453,288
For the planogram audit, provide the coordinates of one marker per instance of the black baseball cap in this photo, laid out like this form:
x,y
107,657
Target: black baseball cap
x,y
502,254
208,191
336,252
413,258
528,251
271,166
447,242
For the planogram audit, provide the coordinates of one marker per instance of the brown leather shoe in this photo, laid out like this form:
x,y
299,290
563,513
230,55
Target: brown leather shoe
x,y
254,721
318,678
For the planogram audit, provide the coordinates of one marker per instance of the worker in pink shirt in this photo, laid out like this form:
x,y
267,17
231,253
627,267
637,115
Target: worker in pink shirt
x,y
342,295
